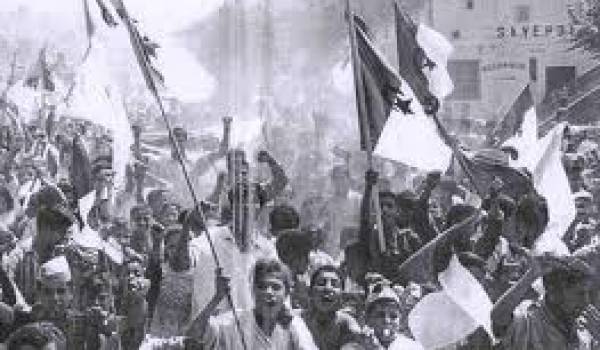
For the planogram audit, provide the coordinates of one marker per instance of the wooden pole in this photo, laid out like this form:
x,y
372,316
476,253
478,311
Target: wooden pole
x,y
362,112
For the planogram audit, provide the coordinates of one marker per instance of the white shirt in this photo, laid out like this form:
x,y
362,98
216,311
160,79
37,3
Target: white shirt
x,y
235,264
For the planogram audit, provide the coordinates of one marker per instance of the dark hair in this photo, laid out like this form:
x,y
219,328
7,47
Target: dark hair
x,y
569,275
284,217
325,268
532,211
265,266
291,244
6,196
38,335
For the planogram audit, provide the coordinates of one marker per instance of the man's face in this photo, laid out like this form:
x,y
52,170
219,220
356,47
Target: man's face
x,y
39,136
103,299
171,247
384,318
388,206
269,294
105,177
56,296
26,174
170,215
134,270
435,210
326,291
158,203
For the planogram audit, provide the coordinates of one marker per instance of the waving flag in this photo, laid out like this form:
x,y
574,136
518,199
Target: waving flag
x,y
40,76
521,115
95,97
444,318
551,181
414,138
143,47
381,84
437,50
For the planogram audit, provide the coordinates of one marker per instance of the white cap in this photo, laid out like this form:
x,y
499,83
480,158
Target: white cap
x,y
56,269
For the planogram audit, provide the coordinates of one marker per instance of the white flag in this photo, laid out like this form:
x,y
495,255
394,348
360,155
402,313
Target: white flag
x,y
550,180
96,98
444,318
413,139
438,49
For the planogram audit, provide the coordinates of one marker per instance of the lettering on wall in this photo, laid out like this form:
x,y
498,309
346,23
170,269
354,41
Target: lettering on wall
x,y
531,31
503,65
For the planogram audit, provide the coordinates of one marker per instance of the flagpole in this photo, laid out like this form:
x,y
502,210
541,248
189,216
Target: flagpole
x,y
457,155
362,113
440,127
143,63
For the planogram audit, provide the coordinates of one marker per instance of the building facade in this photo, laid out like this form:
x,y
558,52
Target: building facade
x,y
502,45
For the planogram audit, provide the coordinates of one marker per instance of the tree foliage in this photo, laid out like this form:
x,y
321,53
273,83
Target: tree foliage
x,y
587,33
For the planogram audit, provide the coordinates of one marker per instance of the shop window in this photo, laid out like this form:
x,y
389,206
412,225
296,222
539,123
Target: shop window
x,y
467,79
522,13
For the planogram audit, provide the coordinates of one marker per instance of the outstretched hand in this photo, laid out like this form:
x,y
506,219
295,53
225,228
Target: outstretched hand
x,y
263,157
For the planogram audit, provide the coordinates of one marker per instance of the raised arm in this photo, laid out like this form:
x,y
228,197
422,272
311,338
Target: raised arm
x,y
421,221
503,308
197,328
278,177
366,226
204,163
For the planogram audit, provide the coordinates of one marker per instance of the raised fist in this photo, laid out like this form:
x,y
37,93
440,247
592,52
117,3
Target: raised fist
x,y
263,157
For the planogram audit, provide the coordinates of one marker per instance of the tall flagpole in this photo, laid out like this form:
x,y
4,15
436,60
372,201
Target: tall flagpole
x,y
144,66
440,127
362,112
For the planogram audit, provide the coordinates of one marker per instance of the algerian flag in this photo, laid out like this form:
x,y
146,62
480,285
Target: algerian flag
x,y
550,180
438,49
444,318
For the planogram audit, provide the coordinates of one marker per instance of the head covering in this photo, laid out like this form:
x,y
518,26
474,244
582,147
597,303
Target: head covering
x,y
55,270
381,292
583,195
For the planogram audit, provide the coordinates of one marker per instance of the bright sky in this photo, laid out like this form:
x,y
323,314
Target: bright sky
x,y
51,21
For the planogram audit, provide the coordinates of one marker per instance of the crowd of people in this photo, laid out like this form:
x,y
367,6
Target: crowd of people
x,y
98,258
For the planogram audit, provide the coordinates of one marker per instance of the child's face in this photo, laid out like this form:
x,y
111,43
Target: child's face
x,y
384,318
